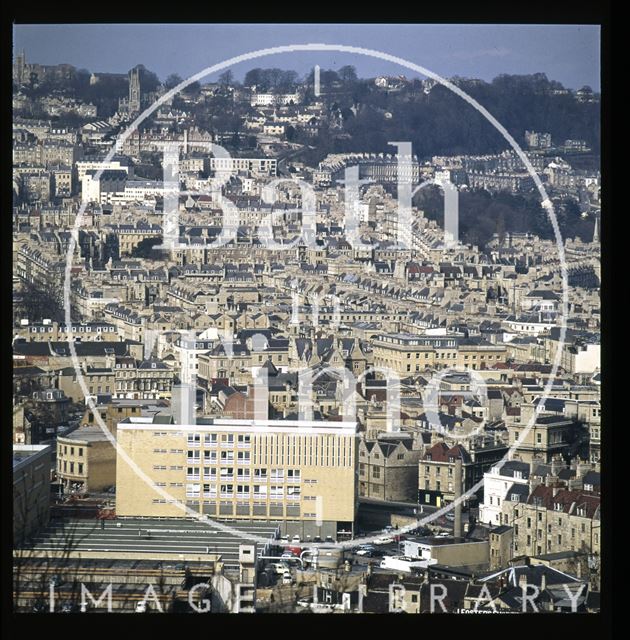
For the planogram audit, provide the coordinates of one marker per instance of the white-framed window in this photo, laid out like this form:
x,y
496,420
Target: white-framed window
x,y
210,439
193,439
192,490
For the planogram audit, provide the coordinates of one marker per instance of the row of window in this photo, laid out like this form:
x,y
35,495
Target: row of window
x,y
64,467
65,451
243,490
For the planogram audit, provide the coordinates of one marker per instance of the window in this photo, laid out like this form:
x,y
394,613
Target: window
x,y
192,490
244,440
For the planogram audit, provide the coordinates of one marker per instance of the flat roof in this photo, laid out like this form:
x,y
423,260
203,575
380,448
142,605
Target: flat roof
x,y
146,423
26,452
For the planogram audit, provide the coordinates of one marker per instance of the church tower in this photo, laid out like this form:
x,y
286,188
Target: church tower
x,y
134,90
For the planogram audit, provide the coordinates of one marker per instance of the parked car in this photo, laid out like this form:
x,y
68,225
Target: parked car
x,y
384,540
450,516
365,550
296,539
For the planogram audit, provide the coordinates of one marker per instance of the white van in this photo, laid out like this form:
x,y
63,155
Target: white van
x,y
277,567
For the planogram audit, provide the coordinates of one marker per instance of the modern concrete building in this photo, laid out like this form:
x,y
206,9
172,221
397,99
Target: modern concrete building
x,y
300,473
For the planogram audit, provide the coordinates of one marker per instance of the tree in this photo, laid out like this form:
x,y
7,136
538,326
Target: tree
x,y
226,78
347,74
144,249
193,89
252,77
42,300
172,81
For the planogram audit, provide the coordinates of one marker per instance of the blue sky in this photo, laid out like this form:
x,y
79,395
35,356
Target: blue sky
x,y
567,53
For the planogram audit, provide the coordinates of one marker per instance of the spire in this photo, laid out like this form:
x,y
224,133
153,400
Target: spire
x,y
596,230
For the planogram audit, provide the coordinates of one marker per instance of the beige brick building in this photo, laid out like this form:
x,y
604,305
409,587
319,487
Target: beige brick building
x,y
388,468
86,460
300,473
407,353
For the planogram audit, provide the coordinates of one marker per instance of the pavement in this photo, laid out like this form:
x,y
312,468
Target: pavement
x,y
150,535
